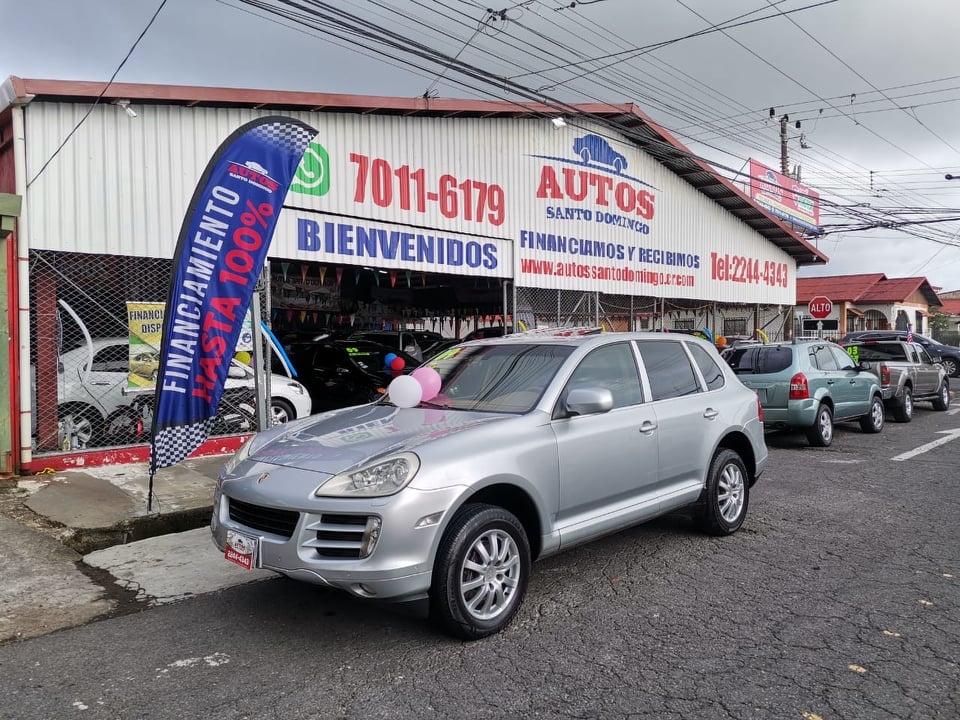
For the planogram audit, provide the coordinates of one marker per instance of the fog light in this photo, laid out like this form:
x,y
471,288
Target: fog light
x,y
371,533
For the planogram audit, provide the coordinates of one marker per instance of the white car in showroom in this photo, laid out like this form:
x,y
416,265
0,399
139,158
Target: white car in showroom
x,y
96,409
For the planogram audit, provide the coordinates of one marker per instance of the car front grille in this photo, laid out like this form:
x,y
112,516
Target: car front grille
x,y
270,520
340,536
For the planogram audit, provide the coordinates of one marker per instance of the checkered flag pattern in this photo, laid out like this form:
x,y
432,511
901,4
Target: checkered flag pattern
x,y
173,444
287,135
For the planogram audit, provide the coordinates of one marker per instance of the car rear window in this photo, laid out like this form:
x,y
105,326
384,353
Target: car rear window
x,y
760,359
873,351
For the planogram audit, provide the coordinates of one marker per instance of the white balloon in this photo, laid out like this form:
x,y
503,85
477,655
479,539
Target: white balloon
x,y
404,391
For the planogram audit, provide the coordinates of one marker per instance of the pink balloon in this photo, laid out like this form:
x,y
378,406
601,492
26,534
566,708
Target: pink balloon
x,y
429,380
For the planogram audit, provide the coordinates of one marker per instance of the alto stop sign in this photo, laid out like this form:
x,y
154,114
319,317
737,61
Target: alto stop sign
x,y
820,307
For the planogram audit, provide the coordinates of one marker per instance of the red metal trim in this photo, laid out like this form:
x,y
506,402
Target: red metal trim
x,y
117,456
13,349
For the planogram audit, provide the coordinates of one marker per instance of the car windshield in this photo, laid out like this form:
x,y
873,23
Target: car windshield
x,y
499,377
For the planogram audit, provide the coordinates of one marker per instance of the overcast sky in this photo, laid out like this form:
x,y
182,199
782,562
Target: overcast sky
x,y
875,83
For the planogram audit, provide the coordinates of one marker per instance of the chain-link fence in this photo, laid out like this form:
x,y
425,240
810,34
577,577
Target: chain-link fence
x,y
95,327
539,307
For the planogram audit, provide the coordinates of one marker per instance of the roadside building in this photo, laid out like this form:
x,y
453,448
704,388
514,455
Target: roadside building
x,y
869,301
422,213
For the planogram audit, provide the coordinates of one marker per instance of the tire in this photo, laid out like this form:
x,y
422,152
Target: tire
x,y
872,422
123,427
281,412
726,496
951,366
820,434
943,399
466,603
904,411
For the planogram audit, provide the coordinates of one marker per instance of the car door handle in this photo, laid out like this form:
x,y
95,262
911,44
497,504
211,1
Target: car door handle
x,y
100,382
648,427
710,413
830,382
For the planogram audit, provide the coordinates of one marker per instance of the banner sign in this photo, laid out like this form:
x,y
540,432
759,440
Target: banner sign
x,y
784,197
219,256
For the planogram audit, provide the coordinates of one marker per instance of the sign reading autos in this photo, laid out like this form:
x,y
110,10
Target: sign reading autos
x,y
573,208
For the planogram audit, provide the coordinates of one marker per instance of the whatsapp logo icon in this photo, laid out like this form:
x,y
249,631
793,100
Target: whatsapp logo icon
x,y
313,173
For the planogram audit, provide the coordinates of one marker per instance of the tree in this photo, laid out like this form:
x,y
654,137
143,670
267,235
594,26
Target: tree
x,y
939,324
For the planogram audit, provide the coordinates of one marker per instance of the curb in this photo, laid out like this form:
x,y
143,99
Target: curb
x,y
87,540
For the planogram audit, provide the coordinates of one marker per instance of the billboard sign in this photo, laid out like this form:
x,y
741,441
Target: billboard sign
x,y
784,197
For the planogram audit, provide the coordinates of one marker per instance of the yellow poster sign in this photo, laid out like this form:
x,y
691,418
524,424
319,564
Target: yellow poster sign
x,y
145,323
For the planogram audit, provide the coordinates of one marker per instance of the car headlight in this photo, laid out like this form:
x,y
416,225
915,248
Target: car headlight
x,y
384,477
238,457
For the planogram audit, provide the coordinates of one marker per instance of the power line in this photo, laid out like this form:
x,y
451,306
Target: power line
x,y
102,93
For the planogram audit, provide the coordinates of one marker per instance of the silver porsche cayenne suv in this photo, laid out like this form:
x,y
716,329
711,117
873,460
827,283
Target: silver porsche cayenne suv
x,y
532,445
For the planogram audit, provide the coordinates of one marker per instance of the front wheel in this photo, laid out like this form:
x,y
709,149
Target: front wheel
x,y
904,411
726,495
943,399
872,422
281,412
481,572
820,434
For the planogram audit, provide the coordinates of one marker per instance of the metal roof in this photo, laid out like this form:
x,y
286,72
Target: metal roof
x,y
865,289
640,128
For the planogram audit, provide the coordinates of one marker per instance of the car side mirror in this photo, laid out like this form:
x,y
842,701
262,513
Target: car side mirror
x,y
588,401
237,373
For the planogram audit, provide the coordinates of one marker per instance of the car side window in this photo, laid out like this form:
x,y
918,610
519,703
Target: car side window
x,y
844,361
924,356
668,368
822,358
712,374
612,367
915,353
112,358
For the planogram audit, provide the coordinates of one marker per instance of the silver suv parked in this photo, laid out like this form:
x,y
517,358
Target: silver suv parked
x,y
532,445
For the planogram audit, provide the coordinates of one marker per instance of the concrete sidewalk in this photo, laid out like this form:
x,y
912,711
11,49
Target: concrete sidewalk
x,y
105,506
83,553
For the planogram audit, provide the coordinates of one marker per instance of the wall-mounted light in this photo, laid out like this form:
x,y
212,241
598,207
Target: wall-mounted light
x,y
558,122
125,104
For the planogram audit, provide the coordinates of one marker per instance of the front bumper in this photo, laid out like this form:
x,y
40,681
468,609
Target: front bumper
x,y
400,566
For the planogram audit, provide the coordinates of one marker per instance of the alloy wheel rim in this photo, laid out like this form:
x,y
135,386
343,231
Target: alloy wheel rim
x,y
489,575
908,404
876,413
826,426
730,495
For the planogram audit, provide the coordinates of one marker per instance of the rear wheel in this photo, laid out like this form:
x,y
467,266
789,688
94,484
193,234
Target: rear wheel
x,y
943,399
85,425
726,495
481,572
820,434
904,411
872,422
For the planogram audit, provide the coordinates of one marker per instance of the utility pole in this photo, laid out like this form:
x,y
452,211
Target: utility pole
x,y
784,160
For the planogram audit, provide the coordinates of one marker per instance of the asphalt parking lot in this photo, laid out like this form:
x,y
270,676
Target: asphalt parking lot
x,y
839,598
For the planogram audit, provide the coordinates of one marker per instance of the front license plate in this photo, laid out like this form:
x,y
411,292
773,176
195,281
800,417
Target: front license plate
x,y
241,549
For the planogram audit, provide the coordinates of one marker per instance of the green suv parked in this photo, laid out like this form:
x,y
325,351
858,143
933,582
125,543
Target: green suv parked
x,y
808,385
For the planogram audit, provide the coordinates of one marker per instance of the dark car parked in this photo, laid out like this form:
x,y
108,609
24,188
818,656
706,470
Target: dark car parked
x,y
948,355
343,373
416,343
488,332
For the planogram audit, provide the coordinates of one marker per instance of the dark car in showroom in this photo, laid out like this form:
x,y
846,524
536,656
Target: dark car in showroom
x,y
948,355
342,373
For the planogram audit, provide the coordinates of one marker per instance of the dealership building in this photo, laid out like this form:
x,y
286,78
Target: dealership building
x,y
426,213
